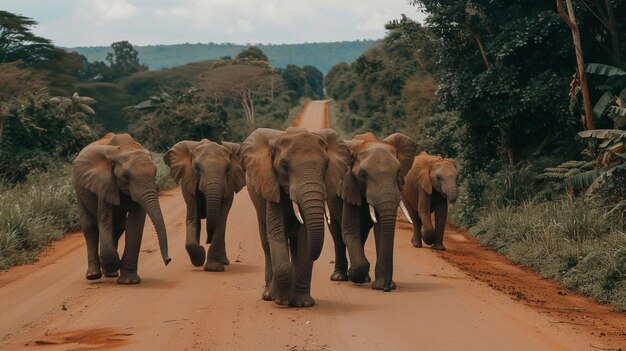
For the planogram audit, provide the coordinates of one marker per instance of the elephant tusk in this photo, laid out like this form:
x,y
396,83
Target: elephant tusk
x,y
373,214
405,212
296,210
327,213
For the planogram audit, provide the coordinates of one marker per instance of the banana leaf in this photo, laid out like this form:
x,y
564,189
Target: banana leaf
x,y
603,70
604,102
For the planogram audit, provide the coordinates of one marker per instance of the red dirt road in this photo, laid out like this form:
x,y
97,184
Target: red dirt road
x,y
50,306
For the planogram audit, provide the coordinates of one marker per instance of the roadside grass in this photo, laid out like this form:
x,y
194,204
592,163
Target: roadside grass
x,y
43,209
571,241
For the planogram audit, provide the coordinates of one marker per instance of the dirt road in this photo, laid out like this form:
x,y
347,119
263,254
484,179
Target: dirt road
x,y
50,306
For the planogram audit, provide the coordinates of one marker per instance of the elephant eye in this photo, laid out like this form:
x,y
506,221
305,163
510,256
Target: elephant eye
x,y
284,165
126,175
362,174
228,168
196,168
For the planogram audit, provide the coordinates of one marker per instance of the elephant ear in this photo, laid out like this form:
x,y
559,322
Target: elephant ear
x,y
178,158
237,179
405,150
93,169
369,136
256,158
339,158
422,167
349,189
353,144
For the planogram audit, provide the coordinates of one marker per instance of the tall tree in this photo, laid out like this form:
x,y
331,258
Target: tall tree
x,y
252,53
17,41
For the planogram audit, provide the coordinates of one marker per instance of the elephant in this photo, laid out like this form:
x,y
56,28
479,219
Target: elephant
x,y
209,174
114,180
430,185
286,175
368,196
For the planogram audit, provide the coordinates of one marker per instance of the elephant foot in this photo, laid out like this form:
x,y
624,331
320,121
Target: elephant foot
x,y
339,276
111,274
127,277
368,278
281,297
379,284
93,274
196,254
429,237
438,247
359,274
417,242
303,299
225,261
267,296
213,266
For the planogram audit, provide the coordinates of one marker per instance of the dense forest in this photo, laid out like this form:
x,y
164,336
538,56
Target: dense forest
x,y
496,87
321,55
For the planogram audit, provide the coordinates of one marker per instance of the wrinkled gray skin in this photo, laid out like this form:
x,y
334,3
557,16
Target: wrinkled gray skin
x,y
374,177
283,169
114,179
430,185
209,174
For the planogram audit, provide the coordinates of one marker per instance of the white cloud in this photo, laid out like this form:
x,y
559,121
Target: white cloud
x,y
113,9
101,22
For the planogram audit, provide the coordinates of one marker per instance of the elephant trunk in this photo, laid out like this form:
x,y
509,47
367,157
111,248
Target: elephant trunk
x,y
213,194
311,198
149,201
387,220
451,193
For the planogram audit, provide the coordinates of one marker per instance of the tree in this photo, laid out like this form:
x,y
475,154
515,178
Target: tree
x,y
294,80
315,80
238,82
252,53
17,42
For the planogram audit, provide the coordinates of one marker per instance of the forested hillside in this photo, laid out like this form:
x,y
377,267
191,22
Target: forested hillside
x,y
321,55
496,87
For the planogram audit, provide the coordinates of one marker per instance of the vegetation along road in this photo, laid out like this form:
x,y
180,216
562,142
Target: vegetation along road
x,y
467,298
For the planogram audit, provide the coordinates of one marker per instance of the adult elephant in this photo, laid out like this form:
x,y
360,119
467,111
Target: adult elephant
x,y
430,185
285,174
114,179
209,174
370,194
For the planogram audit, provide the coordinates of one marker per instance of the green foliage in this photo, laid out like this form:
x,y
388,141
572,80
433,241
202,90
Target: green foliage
x,y
570,241
168,118
35,212
390,88
32,130
252,53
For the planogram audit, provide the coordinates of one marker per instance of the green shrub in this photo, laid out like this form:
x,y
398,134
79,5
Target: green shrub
x,y
570,241
35,212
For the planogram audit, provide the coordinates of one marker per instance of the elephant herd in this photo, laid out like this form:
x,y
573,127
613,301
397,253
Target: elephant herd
x,y
298,181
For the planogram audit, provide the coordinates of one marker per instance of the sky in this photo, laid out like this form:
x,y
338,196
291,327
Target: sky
x,y
71,23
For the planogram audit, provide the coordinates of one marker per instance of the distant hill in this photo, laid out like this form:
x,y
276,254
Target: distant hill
x,y
321,55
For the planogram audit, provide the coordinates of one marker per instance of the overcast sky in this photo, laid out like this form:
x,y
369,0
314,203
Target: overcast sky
x,y
101,22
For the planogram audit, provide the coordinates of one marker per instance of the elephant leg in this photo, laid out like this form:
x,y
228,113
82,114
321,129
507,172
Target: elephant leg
x,y
416,240
365,232
109,257
192,231
267,296
351,231
303,268
341,261
119,226
379,273
90,231
281,287
441,214
216,258
134,233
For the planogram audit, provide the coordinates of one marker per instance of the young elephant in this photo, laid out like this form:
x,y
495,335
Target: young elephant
x,y
370,194
430,185
114,179
209,174
285,174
